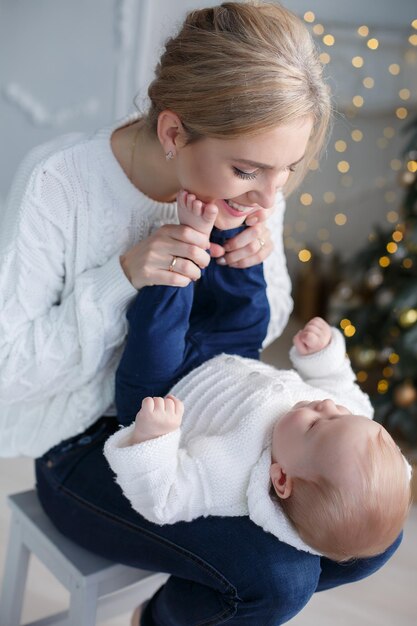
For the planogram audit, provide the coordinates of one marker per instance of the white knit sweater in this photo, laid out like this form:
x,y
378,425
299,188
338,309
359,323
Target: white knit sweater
x,y
70,214
218,462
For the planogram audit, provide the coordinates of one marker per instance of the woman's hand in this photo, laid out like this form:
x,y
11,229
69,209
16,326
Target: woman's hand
x,y
250,247
149,261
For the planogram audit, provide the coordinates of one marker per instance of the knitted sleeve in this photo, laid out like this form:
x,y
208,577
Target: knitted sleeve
x,y
57,329
161,481
277,277
330,370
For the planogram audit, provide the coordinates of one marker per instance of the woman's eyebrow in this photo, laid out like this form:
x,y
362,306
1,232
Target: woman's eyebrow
x,y
264,165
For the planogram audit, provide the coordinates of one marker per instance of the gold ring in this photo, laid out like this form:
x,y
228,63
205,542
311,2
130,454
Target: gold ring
x,y
261,243
172,264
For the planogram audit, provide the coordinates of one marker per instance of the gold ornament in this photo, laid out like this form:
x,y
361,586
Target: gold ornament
x,y
405,394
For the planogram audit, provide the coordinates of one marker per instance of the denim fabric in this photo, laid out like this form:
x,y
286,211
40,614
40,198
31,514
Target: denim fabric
x,y
222,569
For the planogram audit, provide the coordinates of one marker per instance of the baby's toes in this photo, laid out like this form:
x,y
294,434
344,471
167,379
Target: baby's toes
x,y
197,207
210,212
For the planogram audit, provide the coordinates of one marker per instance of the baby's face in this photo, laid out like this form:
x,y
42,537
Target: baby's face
x,y
321,438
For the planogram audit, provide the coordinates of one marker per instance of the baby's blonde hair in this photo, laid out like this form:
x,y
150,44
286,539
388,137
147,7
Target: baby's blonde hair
x,y
242,68
362,521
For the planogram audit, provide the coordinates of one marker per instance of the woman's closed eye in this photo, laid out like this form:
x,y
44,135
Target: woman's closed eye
x,y
245,175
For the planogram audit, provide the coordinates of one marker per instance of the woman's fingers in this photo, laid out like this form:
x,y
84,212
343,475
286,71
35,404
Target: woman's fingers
x,y
250,247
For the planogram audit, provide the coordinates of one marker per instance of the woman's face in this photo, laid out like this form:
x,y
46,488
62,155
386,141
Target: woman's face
x,y
242,175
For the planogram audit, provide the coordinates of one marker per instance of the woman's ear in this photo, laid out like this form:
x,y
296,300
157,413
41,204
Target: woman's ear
x,y
170,131
280,481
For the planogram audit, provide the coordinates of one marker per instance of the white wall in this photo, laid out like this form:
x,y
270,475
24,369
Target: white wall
x,y
76,64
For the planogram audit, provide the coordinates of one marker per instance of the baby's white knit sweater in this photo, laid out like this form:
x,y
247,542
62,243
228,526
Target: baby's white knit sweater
x,y
70,214
218,462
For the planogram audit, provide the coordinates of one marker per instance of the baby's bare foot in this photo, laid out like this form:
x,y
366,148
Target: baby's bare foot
x,y
194,213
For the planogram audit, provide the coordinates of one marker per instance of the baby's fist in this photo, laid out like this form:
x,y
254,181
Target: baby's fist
x,y
315,336
157,416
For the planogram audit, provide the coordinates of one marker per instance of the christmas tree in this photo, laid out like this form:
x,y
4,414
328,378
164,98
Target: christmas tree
x,y
376,307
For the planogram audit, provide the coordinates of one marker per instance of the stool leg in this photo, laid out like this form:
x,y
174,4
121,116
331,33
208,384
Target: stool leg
x,y
15,574
83,605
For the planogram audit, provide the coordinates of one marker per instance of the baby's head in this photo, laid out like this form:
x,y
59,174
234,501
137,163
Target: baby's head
x,y
341,480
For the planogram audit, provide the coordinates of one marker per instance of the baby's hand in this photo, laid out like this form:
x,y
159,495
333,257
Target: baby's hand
x,y
157,416
315,336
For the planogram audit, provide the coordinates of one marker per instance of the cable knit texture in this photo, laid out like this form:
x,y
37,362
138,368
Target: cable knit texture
x,y
71,212
218,462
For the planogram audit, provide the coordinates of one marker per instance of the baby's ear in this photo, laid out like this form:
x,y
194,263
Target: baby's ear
x,y
280,481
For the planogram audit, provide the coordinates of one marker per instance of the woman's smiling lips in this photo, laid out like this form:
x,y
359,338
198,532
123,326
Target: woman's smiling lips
x,y
236,209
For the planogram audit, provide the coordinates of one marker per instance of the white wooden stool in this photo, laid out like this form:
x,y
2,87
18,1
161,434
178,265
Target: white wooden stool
x,y
99,589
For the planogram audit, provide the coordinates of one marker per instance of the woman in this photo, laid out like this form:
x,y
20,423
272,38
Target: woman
x,y
238,102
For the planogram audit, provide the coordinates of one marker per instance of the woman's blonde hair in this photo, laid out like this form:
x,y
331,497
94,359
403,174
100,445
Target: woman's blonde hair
x,y
242,68
362,521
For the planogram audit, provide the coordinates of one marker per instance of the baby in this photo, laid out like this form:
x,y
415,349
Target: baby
x,y
277,445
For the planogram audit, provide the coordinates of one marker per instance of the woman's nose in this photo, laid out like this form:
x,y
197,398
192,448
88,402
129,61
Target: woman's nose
x,y
264,195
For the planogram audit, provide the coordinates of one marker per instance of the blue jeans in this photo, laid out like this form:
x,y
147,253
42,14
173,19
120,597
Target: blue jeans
x,y
222,569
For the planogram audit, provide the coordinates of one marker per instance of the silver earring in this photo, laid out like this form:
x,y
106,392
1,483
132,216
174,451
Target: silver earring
x,y
169,155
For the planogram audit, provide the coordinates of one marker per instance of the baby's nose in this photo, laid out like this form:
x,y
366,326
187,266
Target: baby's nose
x,y
326,405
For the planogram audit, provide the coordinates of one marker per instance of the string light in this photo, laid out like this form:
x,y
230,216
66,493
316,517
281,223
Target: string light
x,y
343,167
372,43
397,236
394,358
396,165
368,82
357,101
357,61
392,247
414,24
392,217
306,199
404,94
309,16
314,165
413,40
394,69
384,261
363,31
304,255
340,145
357,135
318,29
383,386
326,248
412,166
401,113
328,40
340,219
361,376
349,330
407,263
324,58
